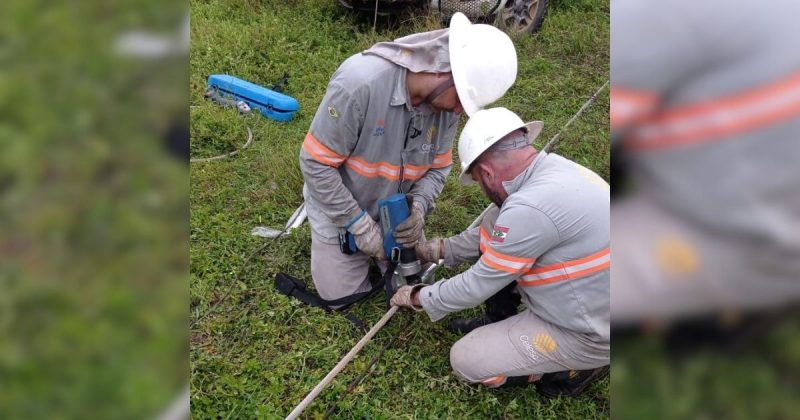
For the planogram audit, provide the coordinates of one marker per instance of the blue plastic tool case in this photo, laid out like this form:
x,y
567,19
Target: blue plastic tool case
x,y
271,104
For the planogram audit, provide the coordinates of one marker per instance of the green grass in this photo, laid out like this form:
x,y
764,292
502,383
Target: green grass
x,y
92,215
259,353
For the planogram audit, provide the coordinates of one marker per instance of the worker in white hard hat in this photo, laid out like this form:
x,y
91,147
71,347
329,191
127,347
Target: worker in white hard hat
x,y
386,125
546,245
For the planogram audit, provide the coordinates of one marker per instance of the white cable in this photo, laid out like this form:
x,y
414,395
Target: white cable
x,y
223,156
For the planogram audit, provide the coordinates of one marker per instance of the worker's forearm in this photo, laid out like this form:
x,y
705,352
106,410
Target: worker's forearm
x,y
428,188
324,184
464,247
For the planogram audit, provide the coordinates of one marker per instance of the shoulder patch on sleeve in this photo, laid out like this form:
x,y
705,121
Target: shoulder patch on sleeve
x,y
499,234
332,112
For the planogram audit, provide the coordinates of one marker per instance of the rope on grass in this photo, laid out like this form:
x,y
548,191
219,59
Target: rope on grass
x,y
226,155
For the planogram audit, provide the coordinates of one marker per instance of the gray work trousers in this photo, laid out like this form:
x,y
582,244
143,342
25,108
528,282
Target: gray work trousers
x,y
523,345
335,274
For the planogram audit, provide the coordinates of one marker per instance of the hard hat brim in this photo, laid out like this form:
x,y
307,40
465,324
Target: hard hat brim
x,y
534,129
459,26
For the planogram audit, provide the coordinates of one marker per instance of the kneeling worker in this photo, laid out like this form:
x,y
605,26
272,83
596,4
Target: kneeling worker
x,y
547,246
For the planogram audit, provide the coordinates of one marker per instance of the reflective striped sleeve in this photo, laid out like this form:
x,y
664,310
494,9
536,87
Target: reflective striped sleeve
x,y
328,143
520,235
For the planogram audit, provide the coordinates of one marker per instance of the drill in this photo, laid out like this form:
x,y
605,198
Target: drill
x,y
393,210
404,267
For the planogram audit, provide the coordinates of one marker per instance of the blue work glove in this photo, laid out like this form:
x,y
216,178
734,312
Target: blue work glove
x,y
409,232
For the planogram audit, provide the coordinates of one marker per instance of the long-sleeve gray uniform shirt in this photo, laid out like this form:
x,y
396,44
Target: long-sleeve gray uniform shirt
x,y
551,237
366,140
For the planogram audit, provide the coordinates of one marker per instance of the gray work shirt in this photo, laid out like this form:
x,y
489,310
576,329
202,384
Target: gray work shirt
x,y
551,237
709,114
367,142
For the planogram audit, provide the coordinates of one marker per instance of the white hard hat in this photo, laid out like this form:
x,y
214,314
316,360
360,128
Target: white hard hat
x,y
483,62
484,129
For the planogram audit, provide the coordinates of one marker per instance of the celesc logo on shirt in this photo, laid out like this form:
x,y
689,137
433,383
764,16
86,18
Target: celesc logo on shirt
x,y
428,146
380,128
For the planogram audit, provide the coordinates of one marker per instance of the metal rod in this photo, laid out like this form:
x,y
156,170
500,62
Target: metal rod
x,y
353,352
586,104
341,365
477,221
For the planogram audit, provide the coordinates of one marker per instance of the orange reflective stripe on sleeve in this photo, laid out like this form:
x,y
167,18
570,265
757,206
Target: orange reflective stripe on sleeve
x,y
320,153
720,118
628,106
443,160
569,270
507,263
485,238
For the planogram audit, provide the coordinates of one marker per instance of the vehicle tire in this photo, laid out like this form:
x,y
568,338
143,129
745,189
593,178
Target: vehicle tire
x,y
523,16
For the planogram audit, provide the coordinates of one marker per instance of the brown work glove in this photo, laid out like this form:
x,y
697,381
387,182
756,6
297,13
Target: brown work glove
x,y
368,236
402,297
409,232
430,251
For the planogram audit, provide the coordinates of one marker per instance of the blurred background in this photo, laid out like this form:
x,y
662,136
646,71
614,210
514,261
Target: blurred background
x,y
705,114
93,208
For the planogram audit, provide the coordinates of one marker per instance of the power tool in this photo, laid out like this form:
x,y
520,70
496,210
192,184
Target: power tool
x,y
404,267
393,211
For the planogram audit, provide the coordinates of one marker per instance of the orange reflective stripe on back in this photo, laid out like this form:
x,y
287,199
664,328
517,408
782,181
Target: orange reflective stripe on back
x,y
628,106
494,381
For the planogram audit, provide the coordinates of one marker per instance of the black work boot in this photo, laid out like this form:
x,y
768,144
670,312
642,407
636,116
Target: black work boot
x,y
569,383
466,325
500,306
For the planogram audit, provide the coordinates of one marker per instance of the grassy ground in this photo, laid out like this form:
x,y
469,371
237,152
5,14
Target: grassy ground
x,y
93,250
259,353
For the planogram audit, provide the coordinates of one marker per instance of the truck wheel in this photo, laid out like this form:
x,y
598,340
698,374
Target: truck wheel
x,y
523,16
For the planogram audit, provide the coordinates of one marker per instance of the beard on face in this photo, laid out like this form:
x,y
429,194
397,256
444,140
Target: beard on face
x,y
494,196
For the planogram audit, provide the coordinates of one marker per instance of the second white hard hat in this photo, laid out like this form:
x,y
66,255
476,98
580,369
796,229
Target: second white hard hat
x,y
484,129
483,62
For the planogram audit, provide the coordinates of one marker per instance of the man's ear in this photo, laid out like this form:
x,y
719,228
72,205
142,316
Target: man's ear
x,y
486,169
